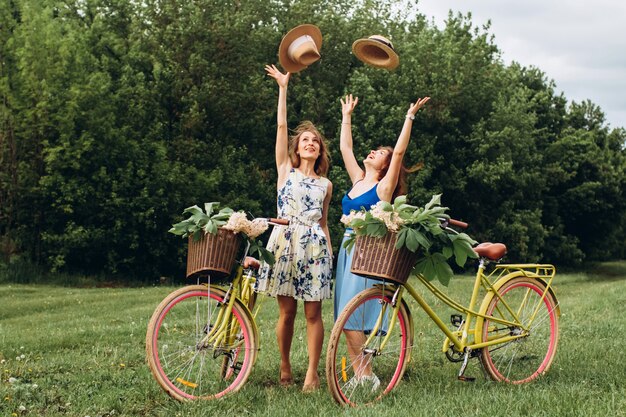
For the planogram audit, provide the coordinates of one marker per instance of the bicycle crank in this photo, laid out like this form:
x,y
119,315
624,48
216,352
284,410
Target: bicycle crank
x,y
466,357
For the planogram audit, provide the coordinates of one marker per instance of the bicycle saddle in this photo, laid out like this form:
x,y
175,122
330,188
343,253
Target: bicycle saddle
x,y
492,251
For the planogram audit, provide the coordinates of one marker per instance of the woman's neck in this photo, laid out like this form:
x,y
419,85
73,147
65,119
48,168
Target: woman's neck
x,y
371,176
307,168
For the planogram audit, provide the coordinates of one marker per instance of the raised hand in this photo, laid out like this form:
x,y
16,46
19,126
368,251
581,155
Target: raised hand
x,y
348,106
281,79
414,107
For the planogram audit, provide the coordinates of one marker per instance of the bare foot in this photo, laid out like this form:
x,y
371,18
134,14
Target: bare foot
x,y
311,382
285,378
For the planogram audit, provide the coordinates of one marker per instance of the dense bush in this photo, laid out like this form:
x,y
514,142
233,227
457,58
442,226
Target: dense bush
x,y
118,114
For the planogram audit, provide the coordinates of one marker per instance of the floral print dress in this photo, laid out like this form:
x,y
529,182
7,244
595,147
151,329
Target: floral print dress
x,y
303,264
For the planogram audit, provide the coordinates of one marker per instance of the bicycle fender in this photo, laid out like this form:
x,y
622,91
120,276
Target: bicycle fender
x,y
498,284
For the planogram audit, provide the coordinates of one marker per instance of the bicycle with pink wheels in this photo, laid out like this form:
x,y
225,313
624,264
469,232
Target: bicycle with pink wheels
x,y
202,339
510,325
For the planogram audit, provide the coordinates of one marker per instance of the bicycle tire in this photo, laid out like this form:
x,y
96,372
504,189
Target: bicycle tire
x,y
525,359
344,382
189,371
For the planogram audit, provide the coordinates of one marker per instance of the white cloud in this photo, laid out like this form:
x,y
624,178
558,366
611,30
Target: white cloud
x,y
581,45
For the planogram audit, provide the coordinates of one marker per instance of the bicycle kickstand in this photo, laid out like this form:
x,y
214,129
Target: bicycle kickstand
x,y
462,376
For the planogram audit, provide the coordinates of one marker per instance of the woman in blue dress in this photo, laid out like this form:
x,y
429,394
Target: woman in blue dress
x,y
382,178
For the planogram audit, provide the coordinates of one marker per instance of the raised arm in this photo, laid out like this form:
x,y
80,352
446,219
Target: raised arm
x,y
388,183
345,142
283,163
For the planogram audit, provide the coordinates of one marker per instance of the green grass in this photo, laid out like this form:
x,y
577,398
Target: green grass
x,y
80,352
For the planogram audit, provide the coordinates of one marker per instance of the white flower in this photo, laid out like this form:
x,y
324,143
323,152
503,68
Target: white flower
x,y
347,219
12,380
390,218
238,222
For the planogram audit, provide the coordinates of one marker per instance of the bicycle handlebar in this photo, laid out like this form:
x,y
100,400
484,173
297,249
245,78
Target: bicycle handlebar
x,y
458,223
452,222
275,221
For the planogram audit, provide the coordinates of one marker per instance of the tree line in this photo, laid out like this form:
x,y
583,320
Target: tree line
x,y
118,114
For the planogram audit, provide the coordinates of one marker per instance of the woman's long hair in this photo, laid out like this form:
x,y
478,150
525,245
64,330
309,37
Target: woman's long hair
x,y
322,163
401,187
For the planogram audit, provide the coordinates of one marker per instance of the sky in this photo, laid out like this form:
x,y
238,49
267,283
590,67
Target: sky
x,y
579,44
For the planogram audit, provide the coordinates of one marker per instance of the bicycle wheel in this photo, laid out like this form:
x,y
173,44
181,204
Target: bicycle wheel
x,y
181,360
526,358
359,369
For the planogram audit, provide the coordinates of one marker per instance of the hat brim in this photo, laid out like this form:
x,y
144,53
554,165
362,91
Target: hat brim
x,y
283,56
375,53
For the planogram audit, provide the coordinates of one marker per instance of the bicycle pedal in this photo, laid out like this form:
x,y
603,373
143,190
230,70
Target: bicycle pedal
x,y
456,319
466,378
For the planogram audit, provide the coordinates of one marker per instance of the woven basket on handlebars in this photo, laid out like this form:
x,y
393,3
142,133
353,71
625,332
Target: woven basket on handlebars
x,y
212,253
377,257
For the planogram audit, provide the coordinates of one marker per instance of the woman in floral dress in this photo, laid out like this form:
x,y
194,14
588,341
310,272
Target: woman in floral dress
x,y
303,251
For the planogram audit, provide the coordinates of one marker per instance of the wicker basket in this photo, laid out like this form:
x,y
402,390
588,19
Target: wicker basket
x,y
378,258
212,253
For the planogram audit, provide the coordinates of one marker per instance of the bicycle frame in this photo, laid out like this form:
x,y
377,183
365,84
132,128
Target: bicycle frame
x,y
241,287
491,283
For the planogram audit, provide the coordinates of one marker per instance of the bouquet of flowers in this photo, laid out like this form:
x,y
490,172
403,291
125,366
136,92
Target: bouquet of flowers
x,y
416,228
209,220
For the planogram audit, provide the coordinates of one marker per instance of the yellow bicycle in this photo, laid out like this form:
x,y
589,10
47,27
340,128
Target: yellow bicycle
x,y
202,339
513,331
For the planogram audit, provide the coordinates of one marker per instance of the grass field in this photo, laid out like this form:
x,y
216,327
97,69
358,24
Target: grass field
x,y
80,352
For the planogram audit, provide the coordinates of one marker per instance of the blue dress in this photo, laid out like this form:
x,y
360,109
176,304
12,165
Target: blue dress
x,y
347,284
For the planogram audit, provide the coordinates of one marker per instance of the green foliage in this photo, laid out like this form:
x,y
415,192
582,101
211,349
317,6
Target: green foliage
x,y
114,114
208,221
416,228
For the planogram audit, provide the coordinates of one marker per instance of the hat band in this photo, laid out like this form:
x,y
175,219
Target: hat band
x,y
297,43
383,42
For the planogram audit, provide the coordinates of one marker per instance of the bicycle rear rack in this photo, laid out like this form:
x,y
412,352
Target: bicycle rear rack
x,y
545,271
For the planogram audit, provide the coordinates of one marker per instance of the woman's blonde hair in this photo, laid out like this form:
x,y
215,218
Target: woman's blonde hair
x,y
401,187
322,163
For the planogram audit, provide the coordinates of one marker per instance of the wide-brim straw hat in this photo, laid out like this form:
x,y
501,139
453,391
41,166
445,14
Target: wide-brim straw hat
x,y
300,47
376,51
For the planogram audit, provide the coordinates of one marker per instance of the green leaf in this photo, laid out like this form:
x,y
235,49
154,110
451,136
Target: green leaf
x,y
459,253
399,200
443,271
435,200
425,267
412,242
208,207
386,206
211,227
401,238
